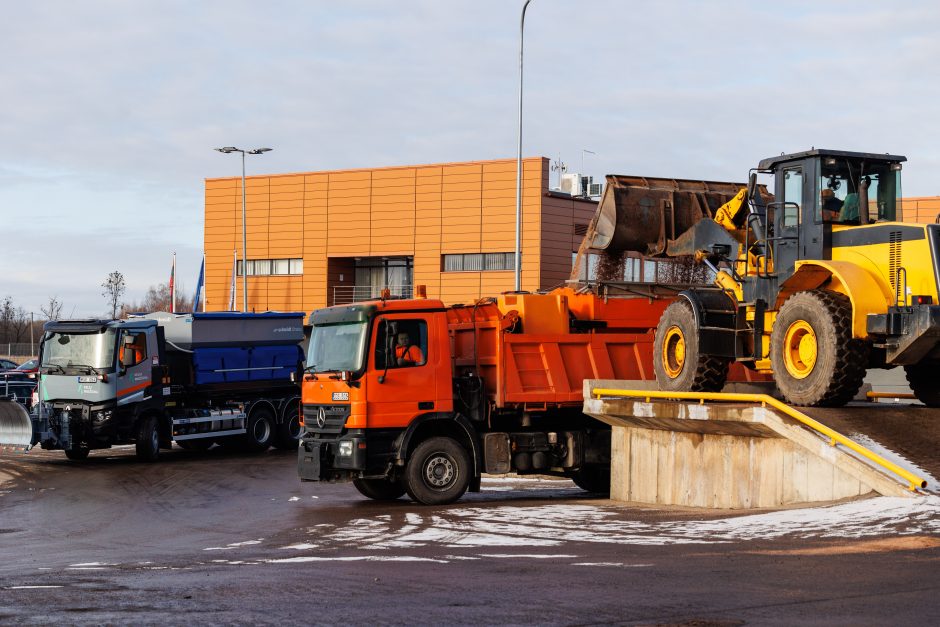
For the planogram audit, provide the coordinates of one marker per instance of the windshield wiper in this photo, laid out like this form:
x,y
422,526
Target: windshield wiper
x,y
88,369
52,367
310,368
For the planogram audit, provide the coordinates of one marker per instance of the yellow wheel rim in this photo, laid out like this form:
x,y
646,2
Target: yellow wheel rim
x,y
673,351
799,349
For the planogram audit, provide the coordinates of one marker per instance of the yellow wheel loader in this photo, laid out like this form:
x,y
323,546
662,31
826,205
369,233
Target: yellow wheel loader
x,y
814,284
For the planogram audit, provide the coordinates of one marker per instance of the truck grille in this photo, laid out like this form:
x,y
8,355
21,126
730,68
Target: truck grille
x,y
325,418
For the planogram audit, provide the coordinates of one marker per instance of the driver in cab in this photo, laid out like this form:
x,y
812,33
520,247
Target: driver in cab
x,y
407,354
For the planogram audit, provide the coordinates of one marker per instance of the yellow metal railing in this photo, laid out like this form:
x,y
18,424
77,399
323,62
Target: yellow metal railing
x,y
834,436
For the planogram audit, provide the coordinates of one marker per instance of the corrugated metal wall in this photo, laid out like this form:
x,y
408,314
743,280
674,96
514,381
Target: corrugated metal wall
x,y
422,212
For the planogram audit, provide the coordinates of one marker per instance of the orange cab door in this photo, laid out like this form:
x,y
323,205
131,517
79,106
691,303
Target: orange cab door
x,y
405,373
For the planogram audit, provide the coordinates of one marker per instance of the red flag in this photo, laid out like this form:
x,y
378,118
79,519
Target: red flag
x,y
173,286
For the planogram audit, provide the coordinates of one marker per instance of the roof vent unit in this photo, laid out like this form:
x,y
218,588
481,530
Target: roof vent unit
x,y
581,186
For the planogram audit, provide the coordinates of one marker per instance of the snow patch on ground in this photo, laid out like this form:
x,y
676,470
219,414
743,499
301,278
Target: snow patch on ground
x,y
233,545
553,525
301,546
355,558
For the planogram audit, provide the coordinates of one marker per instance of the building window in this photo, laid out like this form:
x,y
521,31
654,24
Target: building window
x,y
479,262
266,267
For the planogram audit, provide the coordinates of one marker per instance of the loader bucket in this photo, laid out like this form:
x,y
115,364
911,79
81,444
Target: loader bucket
x,y
16,429
641,214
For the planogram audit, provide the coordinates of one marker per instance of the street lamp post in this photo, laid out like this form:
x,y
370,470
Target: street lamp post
x,y
519,160
253,151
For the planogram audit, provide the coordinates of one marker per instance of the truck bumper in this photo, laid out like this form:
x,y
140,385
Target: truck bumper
x,y
911,334
339,459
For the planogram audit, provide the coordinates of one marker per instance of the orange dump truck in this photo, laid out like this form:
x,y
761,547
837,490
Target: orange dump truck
x,y
418,397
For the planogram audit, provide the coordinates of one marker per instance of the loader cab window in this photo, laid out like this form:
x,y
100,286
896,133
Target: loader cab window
x,y
401,344
792,197
845,183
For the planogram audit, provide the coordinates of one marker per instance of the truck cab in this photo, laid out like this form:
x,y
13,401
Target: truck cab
x,y
377,373
97,378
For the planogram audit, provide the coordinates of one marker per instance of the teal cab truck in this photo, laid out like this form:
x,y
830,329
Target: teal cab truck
x,y
153,379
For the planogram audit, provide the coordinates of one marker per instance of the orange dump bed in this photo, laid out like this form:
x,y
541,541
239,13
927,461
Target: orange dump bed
x,y
527,352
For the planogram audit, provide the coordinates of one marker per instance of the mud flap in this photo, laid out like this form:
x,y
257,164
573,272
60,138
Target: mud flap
x,y
308,462
16,428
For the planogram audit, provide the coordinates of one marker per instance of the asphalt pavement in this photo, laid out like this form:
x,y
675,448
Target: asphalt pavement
x,y
226,538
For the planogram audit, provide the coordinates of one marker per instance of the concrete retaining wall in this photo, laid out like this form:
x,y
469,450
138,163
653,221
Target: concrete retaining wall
x,y
726,456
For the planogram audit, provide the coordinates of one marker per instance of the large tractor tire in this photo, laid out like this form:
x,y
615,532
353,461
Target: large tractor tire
x,y
678,365
815,359
438,471
924,380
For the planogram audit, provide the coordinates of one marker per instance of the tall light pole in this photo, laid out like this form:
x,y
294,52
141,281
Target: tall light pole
x,y
519,159
253,151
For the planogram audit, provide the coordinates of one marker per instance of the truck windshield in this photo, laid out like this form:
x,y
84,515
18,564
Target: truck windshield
x,y
337,347
78,350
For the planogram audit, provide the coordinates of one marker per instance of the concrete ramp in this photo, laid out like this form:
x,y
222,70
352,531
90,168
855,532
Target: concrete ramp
x,y
735,455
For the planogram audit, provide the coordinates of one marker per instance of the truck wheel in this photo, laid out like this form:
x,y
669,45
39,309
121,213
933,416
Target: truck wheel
x,y
287,433
438,472
923,379
148,440
592,478
815,359
77,454
260,430
677,363
379,489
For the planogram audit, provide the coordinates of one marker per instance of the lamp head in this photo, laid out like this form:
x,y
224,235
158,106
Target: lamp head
x,y
227,149
258,151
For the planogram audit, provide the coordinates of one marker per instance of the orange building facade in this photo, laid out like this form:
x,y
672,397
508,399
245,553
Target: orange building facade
x,y
325,238
925,210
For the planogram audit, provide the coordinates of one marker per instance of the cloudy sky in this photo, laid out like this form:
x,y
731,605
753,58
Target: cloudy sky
x,y
110,109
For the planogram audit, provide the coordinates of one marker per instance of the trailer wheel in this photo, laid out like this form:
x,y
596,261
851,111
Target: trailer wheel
x,y
260,429
287,433
815,359
923,380
78,453
148,440
592,478
677,363
379,489
438,472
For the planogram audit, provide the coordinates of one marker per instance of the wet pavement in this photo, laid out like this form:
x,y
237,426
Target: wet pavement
x,y
237,539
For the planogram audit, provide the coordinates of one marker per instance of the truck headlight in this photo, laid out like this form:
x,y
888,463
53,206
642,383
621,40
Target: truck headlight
x,y
345,449
101,416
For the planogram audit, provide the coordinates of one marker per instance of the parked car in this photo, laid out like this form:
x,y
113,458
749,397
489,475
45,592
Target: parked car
x,y
6,364
26,370
18,389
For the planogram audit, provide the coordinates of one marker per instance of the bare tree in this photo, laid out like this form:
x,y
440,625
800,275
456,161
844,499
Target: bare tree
x,y
7,314
114,287
53,310
158,299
